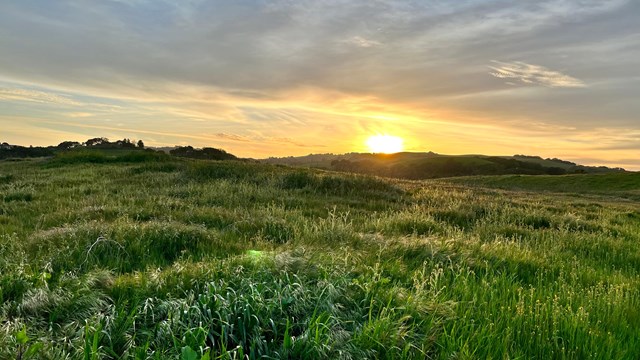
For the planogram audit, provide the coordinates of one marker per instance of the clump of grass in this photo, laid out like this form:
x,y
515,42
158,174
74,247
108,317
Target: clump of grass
x,y
79,157
270,229
571,223
354,185
412,227
490,232
19,195
125,247
230,170
107,156
6,178
72,300
537,221
298,179
294,179
412,221
259,306
211,217
143,157
463,218
162,167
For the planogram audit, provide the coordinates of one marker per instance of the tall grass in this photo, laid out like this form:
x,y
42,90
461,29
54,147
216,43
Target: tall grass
x,y
235,260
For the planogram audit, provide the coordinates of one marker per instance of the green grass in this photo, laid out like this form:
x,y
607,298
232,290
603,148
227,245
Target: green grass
x,y
107,156
420,166
156,258
616,184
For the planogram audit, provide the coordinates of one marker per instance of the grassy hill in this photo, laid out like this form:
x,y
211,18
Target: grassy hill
x,y
625,184
408,165
157,257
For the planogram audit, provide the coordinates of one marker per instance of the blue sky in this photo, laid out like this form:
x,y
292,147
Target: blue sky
x,y
553,78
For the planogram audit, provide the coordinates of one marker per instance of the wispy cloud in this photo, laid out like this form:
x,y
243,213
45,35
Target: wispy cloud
x,y
533,75
286,140
80,114
233,137
9,94
363,42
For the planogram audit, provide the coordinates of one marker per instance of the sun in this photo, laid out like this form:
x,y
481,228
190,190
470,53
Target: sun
x,y
385,144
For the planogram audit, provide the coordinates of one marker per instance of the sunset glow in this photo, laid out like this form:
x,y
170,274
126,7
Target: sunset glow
x,y
279,78
385,144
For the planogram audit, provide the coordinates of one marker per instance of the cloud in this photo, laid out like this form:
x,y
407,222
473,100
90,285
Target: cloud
x,y
533,75
14,94
80,114
233,137
266,72
362,42
612,139
286,140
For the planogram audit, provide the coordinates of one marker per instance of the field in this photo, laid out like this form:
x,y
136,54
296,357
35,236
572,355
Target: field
x,y
149,257
422,166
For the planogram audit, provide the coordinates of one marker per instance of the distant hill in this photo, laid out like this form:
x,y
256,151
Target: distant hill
x,y
165,149
619,184
428,165
571,167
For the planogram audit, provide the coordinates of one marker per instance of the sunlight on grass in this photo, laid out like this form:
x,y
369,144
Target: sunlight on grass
x,y
151,260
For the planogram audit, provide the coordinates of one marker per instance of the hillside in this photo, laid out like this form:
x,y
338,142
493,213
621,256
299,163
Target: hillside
x,y
623,184
429,165
148,257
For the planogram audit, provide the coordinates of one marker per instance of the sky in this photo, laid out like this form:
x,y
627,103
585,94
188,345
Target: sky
x,y
554,78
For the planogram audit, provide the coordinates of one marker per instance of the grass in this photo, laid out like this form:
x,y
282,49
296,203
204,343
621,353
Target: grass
x,y
417,166
625,185
157,258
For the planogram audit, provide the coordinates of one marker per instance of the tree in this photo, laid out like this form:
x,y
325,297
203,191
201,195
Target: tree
x,y
66,145
205,153
123,144
182,151
96,142
216,154
556,171
140,144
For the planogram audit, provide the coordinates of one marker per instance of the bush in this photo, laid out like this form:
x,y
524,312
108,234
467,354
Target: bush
x,y
83,156
203,154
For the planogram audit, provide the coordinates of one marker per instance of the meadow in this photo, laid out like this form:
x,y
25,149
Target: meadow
x,y
150,257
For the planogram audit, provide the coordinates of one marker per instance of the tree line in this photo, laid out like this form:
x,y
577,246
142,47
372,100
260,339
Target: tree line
x,y
16,151
101,143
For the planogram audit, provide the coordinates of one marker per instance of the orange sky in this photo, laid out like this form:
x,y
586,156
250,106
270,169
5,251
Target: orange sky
x,y
549,78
